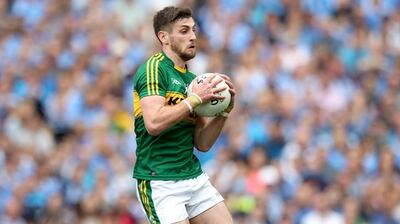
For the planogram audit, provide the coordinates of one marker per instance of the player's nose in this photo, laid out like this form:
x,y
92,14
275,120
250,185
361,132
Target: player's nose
x,y
193,35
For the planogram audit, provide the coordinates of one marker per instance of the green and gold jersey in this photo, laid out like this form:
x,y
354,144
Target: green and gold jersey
x,y
168,156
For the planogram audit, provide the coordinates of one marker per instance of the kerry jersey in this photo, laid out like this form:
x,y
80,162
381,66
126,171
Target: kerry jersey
x,y
168,156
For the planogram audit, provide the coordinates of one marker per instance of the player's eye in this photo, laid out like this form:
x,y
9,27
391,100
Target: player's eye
x,y
184,31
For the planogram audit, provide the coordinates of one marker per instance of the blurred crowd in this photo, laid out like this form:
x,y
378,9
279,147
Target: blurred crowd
x,y
314,137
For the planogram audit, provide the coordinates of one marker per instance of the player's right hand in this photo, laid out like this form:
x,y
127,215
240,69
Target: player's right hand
x,y
207,88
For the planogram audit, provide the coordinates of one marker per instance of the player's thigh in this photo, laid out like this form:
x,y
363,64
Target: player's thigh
x,y
204,197
218,214
163,201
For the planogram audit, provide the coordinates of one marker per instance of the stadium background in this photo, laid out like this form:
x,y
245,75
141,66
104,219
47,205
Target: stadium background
x,y
315,132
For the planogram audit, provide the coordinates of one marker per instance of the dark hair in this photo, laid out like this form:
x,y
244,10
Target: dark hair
x,y
164,18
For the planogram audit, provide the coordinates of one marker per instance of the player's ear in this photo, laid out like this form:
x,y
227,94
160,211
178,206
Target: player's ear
x,y
164,37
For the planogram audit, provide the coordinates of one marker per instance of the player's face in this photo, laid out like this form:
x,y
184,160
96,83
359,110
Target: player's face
x,y
183,38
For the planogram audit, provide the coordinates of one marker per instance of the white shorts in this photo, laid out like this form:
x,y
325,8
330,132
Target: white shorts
x,y
173,201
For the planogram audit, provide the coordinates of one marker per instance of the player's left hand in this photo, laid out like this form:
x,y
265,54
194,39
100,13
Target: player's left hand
x,y
228,81
232,90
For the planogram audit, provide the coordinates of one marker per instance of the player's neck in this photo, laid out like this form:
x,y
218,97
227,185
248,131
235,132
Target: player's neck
x,y
175,58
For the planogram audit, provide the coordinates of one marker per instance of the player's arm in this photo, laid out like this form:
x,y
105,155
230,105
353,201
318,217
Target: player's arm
x,y
207,132
208,129
158,116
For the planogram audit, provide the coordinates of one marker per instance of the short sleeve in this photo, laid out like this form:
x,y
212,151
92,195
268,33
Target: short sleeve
x,y
150,79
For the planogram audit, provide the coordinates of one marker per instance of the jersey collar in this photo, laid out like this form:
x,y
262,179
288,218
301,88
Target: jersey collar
x,y
176,67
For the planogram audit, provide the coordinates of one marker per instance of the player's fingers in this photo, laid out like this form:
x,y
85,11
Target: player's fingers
x,y
218,97
219,89
230,84
225,77
232,89
233,92
215,82
209,78
227,80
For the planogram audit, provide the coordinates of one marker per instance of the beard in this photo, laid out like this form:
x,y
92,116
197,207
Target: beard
x,y
186,56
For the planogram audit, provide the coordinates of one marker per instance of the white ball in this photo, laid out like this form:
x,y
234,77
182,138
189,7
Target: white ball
x,y
214,107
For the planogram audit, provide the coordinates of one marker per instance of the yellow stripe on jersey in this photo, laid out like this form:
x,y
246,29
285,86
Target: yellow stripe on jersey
x,y
148,74
148,71
151,77
136,104
157,92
